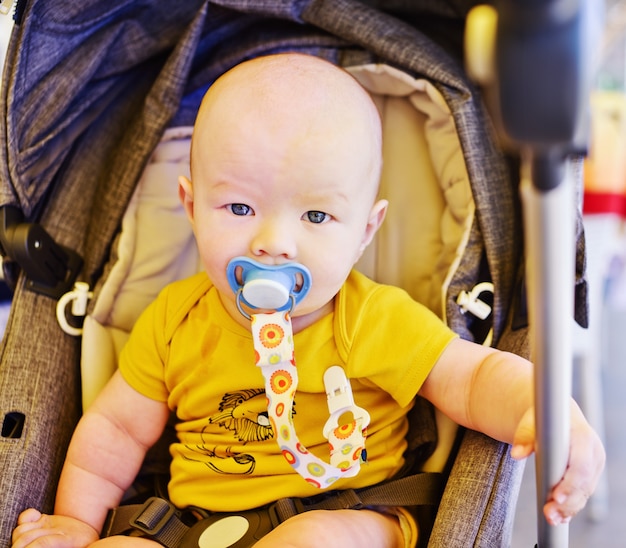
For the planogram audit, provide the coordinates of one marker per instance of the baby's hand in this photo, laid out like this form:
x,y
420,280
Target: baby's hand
x,y
585,464
37,529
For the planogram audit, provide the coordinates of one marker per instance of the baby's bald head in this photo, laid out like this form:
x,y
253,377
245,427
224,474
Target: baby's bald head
x,y
300,95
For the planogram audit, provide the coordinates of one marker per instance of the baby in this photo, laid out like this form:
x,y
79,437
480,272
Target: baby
x,y
285,163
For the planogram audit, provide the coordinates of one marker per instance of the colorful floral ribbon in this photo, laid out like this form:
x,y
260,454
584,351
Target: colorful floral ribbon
x,y
273,342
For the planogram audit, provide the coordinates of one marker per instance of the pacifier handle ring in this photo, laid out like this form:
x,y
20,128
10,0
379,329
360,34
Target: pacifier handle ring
x,y
239,307
247,315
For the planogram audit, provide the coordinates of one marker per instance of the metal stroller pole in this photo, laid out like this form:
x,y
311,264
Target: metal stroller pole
x,y
549,241
538,75
543,70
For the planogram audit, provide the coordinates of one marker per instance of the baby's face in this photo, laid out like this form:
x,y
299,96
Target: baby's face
x,y
279,190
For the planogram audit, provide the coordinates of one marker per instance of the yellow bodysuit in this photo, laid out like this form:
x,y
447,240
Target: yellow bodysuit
x,y
187,351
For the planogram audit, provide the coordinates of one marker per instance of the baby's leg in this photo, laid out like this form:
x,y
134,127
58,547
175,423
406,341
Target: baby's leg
x,y
336,528
125,542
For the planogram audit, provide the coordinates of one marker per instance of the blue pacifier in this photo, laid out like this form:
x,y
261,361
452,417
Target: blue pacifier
x,y
268,287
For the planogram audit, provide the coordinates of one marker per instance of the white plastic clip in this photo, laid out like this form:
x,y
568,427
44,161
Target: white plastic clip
x,y
340,400
79,298
469,302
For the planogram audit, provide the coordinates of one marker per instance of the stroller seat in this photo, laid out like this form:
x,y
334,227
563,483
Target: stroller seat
x,y
94,160
416,248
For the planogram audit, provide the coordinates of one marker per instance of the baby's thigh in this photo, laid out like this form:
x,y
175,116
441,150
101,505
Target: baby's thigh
x,y
336,528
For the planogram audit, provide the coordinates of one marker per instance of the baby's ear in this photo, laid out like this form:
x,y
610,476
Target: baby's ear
x,y
376,218
185,193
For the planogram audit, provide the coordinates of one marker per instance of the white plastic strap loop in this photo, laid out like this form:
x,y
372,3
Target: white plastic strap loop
x,y
469,301
79,297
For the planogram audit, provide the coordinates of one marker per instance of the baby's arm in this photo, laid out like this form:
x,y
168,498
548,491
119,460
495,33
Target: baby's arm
x,y
105,454
492,392
481,388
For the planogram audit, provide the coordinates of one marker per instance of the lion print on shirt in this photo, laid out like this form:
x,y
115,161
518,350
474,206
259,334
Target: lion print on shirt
x,y
244,413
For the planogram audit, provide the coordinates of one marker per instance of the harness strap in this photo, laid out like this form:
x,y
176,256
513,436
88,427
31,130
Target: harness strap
x,y
161,520
156,517
423,489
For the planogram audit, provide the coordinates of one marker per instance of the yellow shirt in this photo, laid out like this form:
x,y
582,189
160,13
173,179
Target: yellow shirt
x,y
187,351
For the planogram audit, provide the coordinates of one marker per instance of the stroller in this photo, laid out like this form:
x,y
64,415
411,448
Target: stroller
x,y
97,101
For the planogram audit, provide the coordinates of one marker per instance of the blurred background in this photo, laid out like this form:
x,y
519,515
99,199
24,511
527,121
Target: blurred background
x,y
600,352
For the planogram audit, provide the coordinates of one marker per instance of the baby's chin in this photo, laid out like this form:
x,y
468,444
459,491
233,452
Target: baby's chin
x,y
304,316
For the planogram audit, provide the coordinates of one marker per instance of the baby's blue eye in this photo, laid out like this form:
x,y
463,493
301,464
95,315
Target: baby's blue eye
x,y
317,217
241,209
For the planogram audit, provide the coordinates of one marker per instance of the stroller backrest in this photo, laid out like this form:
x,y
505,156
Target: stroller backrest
x,y
80,129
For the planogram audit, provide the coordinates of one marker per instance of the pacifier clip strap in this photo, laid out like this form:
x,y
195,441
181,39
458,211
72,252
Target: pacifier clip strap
x,y
273,343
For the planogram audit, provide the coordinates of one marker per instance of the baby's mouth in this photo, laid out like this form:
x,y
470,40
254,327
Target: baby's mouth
x,y
239,275
299,282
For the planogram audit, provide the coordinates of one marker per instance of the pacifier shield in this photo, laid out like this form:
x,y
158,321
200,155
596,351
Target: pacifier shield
x,y
268,287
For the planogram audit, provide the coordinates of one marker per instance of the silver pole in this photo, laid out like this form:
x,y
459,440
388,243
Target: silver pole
x,y
550,265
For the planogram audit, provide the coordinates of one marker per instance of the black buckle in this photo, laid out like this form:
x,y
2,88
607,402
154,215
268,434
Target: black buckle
x,y
348,499
50,268
153,516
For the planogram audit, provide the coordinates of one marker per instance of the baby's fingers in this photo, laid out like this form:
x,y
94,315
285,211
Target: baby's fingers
x,y
37,530
586,461
563,507
524,439
31,526
29,516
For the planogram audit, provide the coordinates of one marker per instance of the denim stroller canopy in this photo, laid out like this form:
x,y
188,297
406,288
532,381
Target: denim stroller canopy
x,y
90,88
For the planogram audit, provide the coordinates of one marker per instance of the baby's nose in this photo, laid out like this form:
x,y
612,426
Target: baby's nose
x,y
275,239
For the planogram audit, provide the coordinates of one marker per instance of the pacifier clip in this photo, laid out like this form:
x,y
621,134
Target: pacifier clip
x,y
272,336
